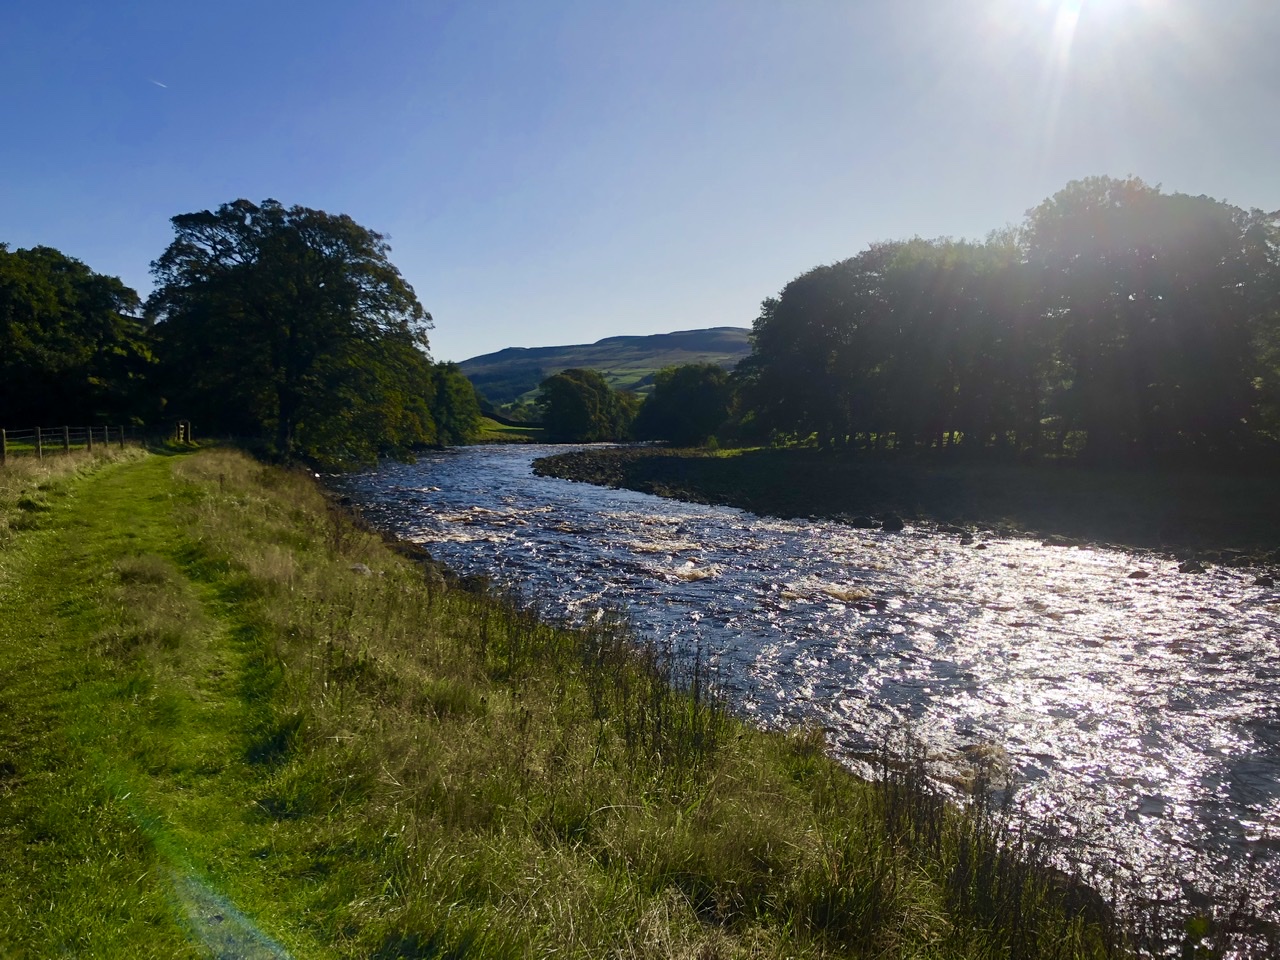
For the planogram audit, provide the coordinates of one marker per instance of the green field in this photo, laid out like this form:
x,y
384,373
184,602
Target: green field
x,y
491,431
236,723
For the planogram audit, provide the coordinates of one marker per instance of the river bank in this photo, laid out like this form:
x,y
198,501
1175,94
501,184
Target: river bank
x,y
283,738
1213,518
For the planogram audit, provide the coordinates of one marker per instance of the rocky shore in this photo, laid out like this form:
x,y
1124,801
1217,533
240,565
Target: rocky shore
x,y
1208,518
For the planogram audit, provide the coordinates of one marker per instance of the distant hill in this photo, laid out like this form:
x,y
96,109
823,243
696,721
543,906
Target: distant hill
x,y
628,363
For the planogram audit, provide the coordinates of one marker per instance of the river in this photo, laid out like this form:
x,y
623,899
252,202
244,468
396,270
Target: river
x,y
1139,717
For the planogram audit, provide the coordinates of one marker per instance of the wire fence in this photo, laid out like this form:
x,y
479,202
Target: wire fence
x,y
41,442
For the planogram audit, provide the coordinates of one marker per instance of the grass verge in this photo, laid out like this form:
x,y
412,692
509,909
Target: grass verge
x,y
235,723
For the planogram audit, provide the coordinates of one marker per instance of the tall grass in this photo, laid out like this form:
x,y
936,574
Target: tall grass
x,y
29,485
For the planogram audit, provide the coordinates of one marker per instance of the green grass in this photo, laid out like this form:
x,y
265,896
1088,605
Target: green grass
x,y
491,431
220,735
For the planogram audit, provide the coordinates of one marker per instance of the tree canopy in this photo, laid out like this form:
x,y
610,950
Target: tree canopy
x,y
72,349
1117,321
579,406
455,406
689,403
293,323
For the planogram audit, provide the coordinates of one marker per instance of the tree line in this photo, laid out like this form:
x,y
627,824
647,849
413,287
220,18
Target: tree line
x,y
284,324
688,405
1116,321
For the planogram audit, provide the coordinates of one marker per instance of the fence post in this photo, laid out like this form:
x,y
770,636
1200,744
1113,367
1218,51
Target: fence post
x,y
4,448
66,439
88,432
122,438
39,445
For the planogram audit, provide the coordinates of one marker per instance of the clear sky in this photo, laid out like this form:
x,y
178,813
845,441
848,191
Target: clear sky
x,y
556,171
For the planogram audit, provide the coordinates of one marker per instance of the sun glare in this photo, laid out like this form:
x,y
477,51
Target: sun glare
x,y
1079,37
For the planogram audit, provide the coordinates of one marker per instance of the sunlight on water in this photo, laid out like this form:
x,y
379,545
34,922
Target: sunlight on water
x,y
1139,714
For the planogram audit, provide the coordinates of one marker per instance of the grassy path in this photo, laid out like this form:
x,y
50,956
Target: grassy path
x,y
120,718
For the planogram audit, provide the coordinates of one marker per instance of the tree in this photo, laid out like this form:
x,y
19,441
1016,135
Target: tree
x,y
579,406
71,350
688,404
292,324
456,407
819,351
1157,307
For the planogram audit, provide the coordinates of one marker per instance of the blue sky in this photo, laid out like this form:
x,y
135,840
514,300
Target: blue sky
x,y
554,171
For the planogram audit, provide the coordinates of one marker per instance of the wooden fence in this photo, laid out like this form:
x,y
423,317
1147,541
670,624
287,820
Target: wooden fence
x,y
38,441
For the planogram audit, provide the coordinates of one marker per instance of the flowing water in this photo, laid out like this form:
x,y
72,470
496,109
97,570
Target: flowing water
x,y
1140,717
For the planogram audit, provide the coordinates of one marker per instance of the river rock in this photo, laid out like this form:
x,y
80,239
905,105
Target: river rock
x,y
1057,541
892,522
1264,581
953,529
864,523
1191,566
966,539
1139,575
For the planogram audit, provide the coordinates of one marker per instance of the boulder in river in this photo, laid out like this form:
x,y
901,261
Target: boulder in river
x,y
1264,580
1139,575
892,522
864,523
1191,566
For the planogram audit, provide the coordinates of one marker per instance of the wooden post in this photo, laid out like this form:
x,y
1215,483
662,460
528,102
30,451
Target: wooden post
x,y
66,439
39,445
4,448
122,438
88,432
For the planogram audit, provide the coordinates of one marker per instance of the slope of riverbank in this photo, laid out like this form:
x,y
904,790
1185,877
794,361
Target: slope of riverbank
x,y
234,722
1217,517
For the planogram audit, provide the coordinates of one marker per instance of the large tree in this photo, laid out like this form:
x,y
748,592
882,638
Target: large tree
x,y
688,405
455,405
579,406
71,349
1127,321
1158,301
292,324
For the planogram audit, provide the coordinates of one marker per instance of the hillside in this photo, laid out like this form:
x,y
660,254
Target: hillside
x,y
628,363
